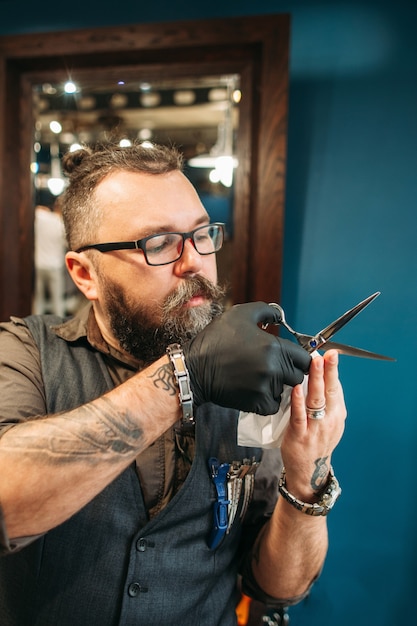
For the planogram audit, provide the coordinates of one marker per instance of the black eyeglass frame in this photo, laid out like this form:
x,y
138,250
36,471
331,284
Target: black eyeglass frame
x,y
140,244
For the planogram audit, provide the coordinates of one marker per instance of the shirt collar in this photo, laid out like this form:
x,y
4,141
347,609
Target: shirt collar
x,y
83,327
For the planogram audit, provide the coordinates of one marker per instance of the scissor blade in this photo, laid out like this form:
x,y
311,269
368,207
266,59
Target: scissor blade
x,y
324,335
351,351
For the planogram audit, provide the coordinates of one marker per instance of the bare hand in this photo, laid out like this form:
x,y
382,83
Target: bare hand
x,y
308,443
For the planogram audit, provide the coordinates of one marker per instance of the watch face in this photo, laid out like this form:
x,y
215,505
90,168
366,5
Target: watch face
x,y
331,494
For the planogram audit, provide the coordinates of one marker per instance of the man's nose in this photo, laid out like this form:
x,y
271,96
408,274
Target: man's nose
x,y
190,262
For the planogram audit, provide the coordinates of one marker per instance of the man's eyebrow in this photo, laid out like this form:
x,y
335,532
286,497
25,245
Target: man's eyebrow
x,y
156,230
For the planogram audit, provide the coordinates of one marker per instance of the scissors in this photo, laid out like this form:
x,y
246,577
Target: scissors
x,y
320,341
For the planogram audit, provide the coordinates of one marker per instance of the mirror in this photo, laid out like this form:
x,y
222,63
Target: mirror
x,y
253,48
199,115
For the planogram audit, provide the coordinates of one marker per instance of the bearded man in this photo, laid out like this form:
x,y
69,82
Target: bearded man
x,y
125,497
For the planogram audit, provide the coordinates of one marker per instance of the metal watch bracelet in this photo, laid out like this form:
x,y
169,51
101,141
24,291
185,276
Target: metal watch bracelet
x,y
326,498
176,356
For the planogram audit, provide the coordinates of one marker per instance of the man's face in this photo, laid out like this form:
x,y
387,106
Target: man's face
x,y
146,307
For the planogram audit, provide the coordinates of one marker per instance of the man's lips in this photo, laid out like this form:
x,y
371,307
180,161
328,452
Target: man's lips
x,y
196,300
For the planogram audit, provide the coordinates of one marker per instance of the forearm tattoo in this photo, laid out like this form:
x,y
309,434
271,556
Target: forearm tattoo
x,y
320,473
163,378
92,433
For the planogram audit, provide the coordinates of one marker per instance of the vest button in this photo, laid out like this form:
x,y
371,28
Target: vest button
x,y
133,589
141,544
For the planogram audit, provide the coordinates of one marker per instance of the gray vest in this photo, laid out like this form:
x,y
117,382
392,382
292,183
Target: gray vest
x,y
108,564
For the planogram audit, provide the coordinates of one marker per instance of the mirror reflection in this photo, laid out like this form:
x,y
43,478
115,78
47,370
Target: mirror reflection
x,y
198,115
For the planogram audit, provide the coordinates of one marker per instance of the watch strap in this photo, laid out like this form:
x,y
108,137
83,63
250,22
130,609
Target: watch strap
x,y
326,498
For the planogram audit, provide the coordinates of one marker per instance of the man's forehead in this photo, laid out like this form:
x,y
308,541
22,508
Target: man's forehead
x,y
149,203
121,182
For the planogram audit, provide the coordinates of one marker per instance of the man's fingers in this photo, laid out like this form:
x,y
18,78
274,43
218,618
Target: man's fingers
x,y
331,378
316,397
298,407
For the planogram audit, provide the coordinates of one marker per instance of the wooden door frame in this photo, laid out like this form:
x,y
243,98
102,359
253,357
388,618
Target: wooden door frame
x,y
255,47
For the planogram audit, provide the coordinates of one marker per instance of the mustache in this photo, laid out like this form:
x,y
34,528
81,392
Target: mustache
x,y
193,286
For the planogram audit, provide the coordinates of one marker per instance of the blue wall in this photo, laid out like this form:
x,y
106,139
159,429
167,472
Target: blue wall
x,y
351,230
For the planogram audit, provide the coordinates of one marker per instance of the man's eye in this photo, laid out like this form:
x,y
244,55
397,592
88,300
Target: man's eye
x,y
203,237
161,243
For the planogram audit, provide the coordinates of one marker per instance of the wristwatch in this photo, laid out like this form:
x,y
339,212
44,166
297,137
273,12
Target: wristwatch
x,y
326,498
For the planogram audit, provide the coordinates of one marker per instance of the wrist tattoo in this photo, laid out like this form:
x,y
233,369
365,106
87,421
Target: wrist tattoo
x,y
163,378
320,473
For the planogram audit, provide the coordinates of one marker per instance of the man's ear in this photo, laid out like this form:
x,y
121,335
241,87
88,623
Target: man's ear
x,y
82,273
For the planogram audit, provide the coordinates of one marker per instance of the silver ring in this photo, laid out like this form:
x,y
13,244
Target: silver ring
x,y
316,414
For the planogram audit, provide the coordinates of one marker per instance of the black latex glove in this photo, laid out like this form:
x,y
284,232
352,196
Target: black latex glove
x,y
236,364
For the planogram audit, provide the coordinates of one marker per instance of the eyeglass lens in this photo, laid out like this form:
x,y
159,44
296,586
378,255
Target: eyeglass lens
x,y
168,247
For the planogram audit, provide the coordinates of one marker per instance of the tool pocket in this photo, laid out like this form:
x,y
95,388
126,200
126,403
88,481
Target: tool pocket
x,y
234,483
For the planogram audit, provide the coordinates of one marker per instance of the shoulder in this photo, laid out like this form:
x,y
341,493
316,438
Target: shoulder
x,y
20,374
17,344
15,333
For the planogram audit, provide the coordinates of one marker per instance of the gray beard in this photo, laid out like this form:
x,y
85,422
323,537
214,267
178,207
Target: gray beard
x,y
145,333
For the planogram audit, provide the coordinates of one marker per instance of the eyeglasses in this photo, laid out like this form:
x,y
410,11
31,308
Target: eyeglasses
x,y
165,248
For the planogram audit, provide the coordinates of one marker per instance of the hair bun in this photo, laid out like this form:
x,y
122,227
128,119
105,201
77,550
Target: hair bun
x,y
72,160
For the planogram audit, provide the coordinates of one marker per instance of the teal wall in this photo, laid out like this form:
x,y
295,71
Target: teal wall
x,y
351,229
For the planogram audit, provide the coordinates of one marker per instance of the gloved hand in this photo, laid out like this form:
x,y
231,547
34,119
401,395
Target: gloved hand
x,y
235,364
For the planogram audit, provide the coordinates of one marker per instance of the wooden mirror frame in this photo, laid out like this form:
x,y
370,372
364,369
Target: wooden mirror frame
x,y
255,47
